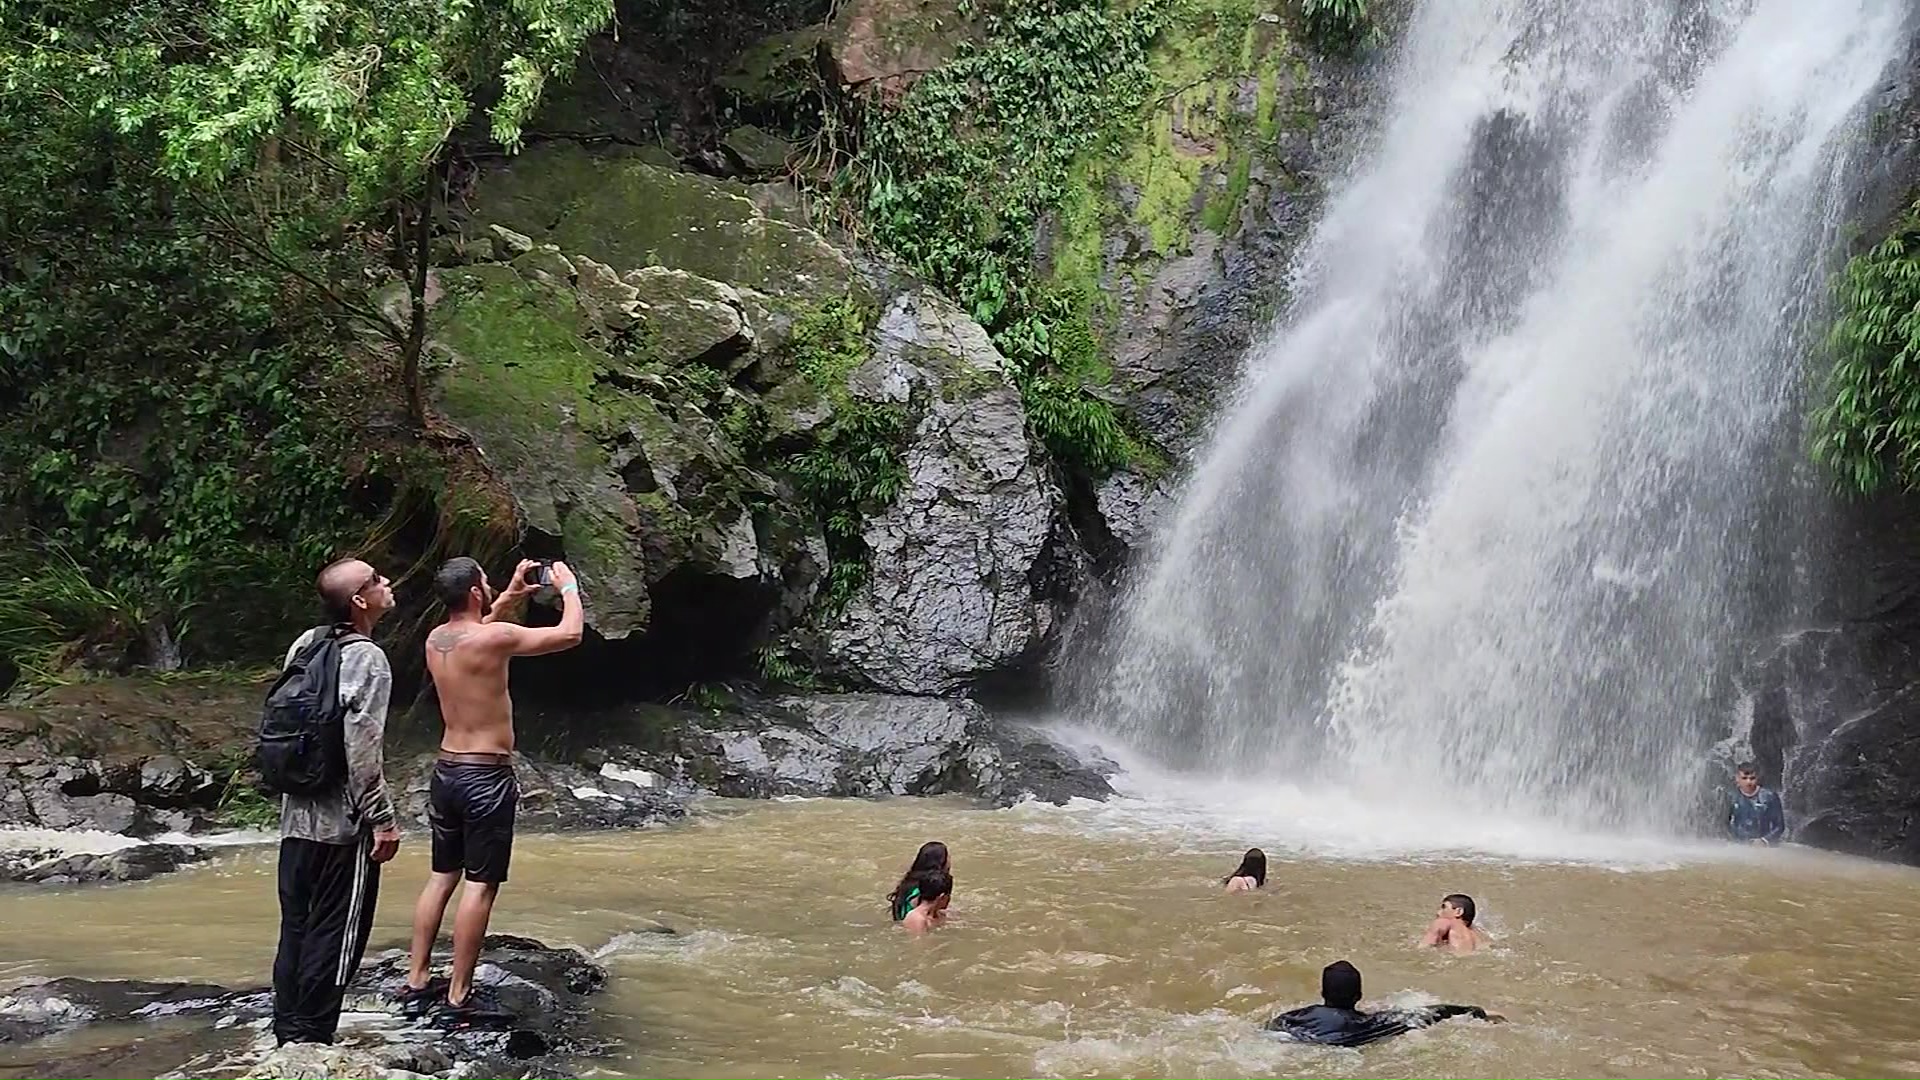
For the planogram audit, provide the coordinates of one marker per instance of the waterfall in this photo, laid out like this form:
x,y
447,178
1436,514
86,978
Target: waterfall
x,y
1503,497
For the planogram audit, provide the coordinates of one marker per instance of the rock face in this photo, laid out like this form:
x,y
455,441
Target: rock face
x,y
1837,705
948,596
857,745
546,991
1181,243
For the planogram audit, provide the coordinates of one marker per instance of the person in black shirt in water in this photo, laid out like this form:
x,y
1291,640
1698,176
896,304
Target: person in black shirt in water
x,y
1339,1023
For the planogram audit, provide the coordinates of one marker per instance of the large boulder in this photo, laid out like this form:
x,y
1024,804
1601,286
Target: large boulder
x,y
948,596
888,44
598,407
628,213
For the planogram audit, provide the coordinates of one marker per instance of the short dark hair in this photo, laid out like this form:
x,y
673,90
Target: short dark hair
x,y
1340,985
456,578
336,591
1464,903
935,885
1746,767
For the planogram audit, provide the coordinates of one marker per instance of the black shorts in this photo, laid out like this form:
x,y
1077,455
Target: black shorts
x,y
470,807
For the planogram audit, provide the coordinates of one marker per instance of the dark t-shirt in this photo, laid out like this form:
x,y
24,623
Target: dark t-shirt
x,y
1351,1027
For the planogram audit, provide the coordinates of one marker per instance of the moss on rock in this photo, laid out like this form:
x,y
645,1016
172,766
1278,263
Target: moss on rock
x,y
629,214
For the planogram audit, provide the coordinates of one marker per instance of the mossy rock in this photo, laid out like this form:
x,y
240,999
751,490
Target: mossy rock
x,y
630,483
619,210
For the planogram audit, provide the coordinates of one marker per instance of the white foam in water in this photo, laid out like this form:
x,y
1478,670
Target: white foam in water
x,y
1506,497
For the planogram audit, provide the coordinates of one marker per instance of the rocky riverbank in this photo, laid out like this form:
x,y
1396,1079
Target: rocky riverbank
x,y
120,780
190,1030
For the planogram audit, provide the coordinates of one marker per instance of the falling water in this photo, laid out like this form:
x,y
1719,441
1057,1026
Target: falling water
x,y
1505,494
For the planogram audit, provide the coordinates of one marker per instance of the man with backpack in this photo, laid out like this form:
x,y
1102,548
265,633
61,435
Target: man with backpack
x,y
321,736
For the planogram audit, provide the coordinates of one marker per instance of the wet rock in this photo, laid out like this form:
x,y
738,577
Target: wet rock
x,y
545,990
756,152
1130,505
561,797
166,780
947,598
891,43
37,1009
136,863
860,745
688,318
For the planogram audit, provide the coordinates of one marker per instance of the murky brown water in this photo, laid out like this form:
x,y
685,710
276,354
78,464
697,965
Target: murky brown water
x,y
1085,944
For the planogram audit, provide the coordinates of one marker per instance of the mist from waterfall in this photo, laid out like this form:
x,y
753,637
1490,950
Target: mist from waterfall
x,y
1509,488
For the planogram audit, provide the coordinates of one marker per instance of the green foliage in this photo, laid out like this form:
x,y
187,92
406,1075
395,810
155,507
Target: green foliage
x,y
779,667
1868,430
50,609
956,178
828,342
165,407
853,466
244,806
853,469
1340,27
158,426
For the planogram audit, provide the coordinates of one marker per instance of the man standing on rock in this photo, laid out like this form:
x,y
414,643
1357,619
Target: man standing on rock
x,y
473,793
332,841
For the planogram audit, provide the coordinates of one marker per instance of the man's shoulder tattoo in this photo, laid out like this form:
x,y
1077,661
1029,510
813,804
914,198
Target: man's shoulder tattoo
x,y
444,638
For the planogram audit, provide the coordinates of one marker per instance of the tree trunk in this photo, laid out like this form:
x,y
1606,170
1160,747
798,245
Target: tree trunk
x,y
421,252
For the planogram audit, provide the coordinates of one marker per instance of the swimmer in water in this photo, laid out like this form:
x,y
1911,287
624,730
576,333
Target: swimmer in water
x,y
1252,872
929,904
931,859
1453,928
1338,1022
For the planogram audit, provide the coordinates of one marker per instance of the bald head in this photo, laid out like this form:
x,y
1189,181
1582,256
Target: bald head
x,y
340,582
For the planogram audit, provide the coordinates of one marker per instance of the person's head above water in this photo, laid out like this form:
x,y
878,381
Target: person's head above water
x,y
1459,906
936,888
1746,778
1340,985
1254,865
932,858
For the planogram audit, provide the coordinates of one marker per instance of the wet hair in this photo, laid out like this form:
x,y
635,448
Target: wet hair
x,y
934,886
456,580
1253,864
1463,902
337,588
1748,768
1340,985
931,859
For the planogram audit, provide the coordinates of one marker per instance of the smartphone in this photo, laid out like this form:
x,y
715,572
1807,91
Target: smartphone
x,y
540,574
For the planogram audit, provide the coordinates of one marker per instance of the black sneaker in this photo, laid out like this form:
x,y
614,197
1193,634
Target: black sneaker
x,y
481,1009
415,1001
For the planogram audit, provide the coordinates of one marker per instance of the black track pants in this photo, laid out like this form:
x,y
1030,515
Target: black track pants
x,y
327,892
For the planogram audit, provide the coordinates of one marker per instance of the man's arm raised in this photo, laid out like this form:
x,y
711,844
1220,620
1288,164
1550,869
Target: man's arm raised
x,y
512,600
540,640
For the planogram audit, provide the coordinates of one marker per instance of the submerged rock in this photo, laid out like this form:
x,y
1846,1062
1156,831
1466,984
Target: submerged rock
x,y
136,863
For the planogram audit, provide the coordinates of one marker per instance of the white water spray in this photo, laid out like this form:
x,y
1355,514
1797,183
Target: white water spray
x,y
1502,499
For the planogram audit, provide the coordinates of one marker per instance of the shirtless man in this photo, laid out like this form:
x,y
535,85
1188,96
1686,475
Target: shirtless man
x,y
473,793
1453,928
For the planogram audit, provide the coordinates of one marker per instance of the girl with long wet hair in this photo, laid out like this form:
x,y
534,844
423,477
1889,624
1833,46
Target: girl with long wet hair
x,y
932,859
1251,873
